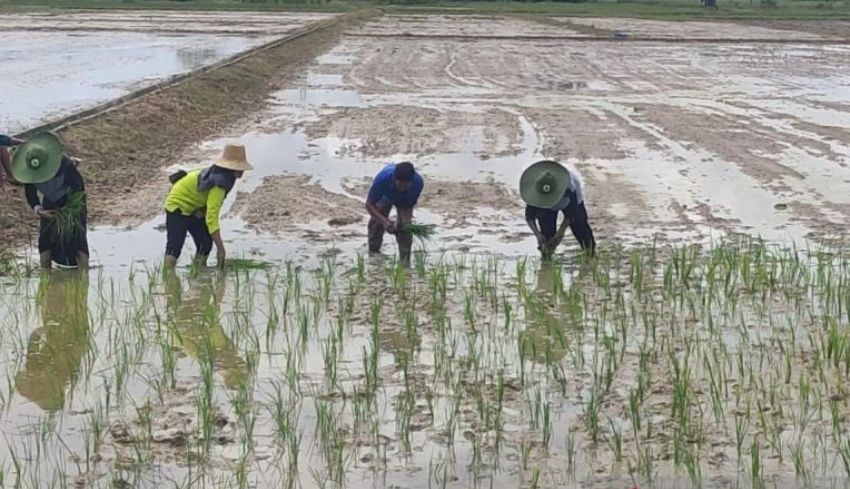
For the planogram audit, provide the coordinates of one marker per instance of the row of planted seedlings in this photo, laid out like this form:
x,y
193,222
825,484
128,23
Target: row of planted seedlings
x,y
732,364
641,365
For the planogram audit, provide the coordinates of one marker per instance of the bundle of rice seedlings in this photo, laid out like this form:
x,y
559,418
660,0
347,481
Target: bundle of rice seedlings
x,y
66,222
422,232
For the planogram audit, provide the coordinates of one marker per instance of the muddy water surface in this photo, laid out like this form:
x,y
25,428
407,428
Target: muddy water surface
x,y
65,62
59,74
478,367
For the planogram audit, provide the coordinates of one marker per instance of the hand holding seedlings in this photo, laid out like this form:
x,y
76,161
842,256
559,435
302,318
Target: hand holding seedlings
x,y
548,188
390,227
44,214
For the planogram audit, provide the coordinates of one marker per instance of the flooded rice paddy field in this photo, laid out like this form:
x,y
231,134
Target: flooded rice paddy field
x,y
683,356
65,62
715,367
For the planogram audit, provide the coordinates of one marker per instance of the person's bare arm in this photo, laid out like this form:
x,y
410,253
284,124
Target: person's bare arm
x,y
221,252
374,212
405,215
562,230
531,220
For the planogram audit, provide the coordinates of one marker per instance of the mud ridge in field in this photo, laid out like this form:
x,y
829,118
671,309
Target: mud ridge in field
x,y
122,160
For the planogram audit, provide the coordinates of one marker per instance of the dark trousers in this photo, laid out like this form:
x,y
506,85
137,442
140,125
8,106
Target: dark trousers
x,y
176,227
376,234
547,220
62,252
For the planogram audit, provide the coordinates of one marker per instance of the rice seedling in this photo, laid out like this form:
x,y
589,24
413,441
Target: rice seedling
x,y
756,465
421,232
591,415
844,453
616,440
739,343
66,224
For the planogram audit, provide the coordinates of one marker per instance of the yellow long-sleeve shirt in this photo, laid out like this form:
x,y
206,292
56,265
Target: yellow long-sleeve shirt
x,y
186,197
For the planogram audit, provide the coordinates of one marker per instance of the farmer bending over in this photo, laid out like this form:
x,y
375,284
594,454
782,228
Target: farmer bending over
x,y
5,161
194,203
396,185
548,188
57,194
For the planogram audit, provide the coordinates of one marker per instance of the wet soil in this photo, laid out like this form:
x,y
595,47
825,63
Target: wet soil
x,y
460,25
420,131
159,21
697,142
832,28
125,151
655,29
673,144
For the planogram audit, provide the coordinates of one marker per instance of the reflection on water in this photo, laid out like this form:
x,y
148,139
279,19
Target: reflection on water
x,y
194,318
544,337
191,58
55,350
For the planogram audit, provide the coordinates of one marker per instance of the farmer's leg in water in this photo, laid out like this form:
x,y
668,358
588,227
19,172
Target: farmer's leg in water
x,y
74,252
76,249
45,243
404,216
202,238
577,216
378,226
176,227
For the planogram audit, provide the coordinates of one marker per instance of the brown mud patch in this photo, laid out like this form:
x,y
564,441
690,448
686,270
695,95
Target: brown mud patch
x,y
403,129
281,203
461,25
831,28
124,150
461,202
572,132
700,30
754,148
164,21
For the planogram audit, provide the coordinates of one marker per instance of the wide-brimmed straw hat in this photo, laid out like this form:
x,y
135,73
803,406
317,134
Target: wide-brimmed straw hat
x,y
37,160
544,183
233,158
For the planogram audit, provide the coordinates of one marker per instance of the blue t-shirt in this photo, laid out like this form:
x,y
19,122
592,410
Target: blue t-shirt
x,y
383,189
5,140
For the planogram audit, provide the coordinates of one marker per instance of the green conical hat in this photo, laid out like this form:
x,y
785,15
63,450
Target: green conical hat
x,y
38,160
543,184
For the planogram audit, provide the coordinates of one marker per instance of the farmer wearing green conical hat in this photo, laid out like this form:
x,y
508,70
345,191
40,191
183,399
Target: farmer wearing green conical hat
x,y
53,185
5,161
548,188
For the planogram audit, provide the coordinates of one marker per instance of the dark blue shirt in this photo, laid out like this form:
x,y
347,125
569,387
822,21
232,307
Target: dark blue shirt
x,y
384,192
5,140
